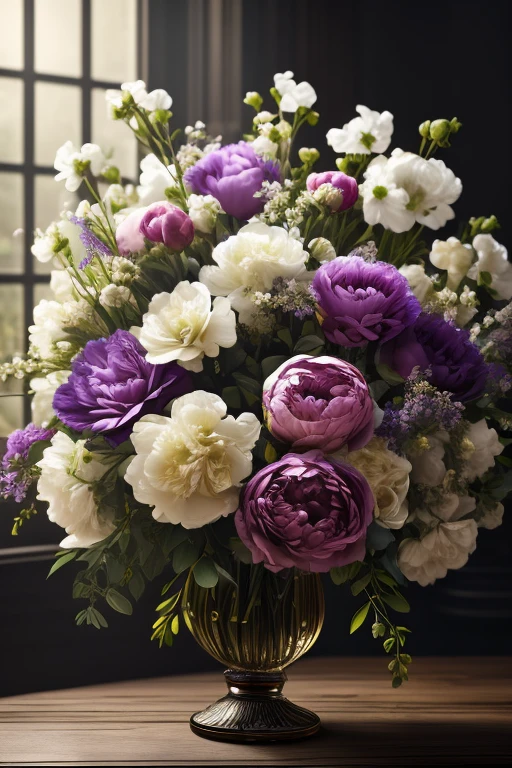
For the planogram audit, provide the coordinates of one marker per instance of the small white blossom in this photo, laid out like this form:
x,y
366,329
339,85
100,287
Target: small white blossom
x,y
45,242
493,518
265,147
155,178
493,258
67,158
263,117
454,257
44,388
293,95
203,210
370,132
157,99
487,446
115,296
420,283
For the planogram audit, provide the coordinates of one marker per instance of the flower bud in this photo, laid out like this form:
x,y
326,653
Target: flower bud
x,y
165,223
322,249
489,224
112,175
313,118
455,126
424,129
439,130
308,156
253,99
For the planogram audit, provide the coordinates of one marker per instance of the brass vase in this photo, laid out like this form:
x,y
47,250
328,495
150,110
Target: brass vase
x,y
256,625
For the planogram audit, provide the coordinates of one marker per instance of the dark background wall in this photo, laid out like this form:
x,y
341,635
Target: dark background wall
x,y
418,60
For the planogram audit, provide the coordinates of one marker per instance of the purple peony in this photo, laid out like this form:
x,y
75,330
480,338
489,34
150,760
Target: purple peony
x,y
167,224
112,385
456,364
318,402
307,512
347,185
361,301
16,474
232,174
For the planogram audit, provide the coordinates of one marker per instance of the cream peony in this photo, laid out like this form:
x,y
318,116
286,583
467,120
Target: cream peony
x,y
44,388
370,132
183,326
68,472
486,445
420,283
251,261
388,477
428,466
447,546
454,257
189,467
493,258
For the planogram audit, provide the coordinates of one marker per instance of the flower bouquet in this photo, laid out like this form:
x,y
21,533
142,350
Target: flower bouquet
x,y
252,373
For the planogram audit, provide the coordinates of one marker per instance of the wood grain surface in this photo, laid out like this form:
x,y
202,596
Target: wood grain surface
x,y
452,712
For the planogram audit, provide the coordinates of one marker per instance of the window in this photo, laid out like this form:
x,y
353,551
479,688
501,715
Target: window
x,y
57,58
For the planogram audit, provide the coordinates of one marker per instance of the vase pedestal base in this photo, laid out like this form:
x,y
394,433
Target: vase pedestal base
x,y
254,710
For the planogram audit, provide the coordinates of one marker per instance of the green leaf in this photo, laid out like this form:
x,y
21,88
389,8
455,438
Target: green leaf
x,y
205,573
186,554
359,617
240,550
271,364
388,374
118,602
345,572
396,682
361,583
231,396
285,335
63,559
484,278
172,537
99,616
175,625
397,602
136,585
378,537
388,644
224,574
248,383
35,452
308,344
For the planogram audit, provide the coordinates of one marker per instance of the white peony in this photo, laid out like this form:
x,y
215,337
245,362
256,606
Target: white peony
x,y
454,257
154,179
183,326
203,210
486,445
370,132
493,258
67,158
428,466
447,546
405,188
189,467
251,261
293,95
419,282
492,518
68,472
44,388
388,477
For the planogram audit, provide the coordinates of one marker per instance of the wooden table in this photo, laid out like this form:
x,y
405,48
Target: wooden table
x,y
452,712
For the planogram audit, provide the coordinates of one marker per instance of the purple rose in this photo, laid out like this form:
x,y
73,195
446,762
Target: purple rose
x,y
456,363
16,474
307,512
346,184
112,385
318,402
361,301
167,224
232,174
128,235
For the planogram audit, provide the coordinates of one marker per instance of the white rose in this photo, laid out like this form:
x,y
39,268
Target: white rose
x,y
203,210
189,467
427,466
486,445
454,257
420,283
115,296
67,474
388,477
370,132
447,546
44,389
184,326
493,258
493,518
250,261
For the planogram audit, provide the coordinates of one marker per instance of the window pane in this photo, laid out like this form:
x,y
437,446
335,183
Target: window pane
x,y
57,37
11,408
11,34
114,25
113,135
11,119
11,219
11,320
43,291
51,198
58,116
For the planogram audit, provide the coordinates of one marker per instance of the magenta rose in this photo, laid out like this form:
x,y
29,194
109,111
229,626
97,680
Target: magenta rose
x,y
340,181
305,511
167,224
318,402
